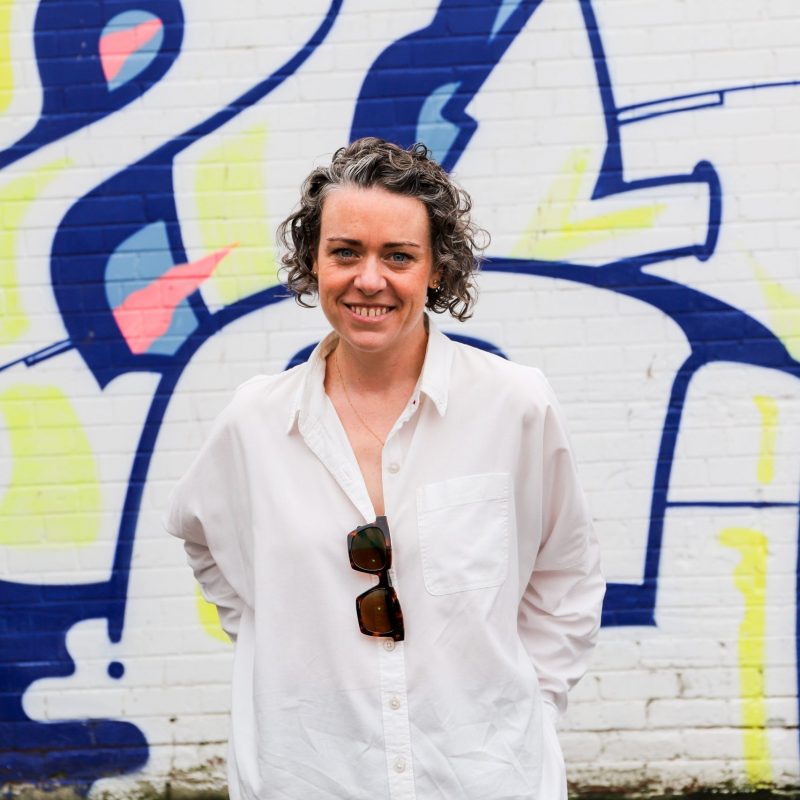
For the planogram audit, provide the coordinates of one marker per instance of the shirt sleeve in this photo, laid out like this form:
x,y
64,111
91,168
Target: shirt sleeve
x,y
560,610
205,510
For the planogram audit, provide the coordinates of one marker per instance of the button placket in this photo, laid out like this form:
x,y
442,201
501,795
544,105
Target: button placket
x,y
396,727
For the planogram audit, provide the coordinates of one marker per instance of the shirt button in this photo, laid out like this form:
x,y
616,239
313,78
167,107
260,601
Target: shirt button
x,y
394,702
394,468
399,764
388,644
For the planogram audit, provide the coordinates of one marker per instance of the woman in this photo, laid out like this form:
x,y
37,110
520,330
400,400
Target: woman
x,y
393,453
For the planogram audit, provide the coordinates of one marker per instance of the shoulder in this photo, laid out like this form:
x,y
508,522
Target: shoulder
x,y
482,372
265,396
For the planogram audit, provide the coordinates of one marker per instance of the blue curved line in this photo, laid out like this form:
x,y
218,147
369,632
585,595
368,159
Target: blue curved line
x,y
715,332
212,324
30,360
611,181
693,95
612,160
256,92
630,603
699,107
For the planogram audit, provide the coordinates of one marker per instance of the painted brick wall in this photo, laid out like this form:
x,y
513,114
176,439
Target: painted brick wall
x,y
637,164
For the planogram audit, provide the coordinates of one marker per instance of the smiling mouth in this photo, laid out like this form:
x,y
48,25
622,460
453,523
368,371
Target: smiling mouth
x,y
370,311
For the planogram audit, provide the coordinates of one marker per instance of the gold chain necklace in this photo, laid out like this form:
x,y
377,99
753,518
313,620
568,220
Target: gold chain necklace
x,y
350,402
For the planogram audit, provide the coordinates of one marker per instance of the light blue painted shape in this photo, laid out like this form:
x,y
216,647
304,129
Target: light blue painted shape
x,y
433,129
507,8
138,61
136,263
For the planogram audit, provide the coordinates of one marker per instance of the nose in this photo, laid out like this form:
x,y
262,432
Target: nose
x,y
370,279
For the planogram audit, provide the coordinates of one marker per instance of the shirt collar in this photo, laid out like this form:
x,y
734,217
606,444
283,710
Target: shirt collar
x,y
434,381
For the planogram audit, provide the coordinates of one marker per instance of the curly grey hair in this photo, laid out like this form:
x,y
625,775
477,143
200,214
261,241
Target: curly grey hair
x,y
457,243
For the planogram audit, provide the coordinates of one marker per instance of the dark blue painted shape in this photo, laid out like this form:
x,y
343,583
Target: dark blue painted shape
x,y
138,196
461,46
90,232
116,670
75,92
33,622
301,356
481,344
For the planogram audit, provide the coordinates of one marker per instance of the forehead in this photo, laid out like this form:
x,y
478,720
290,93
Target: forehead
x,y
354,212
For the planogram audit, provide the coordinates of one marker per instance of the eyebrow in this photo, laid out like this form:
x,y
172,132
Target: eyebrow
x,y
358,242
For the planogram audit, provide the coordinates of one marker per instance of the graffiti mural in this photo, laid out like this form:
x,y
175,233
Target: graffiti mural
x,y
643,234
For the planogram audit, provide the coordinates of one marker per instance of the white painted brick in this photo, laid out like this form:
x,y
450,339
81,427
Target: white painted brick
x,y
649,745
610,715
683,713
644,685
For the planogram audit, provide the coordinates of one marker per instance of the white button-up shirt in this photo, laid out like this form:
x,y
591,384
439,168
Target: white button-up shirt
x,y
495,565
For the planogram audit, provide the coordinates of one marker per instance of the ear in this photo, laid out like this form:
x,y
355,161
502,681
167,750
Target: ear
x,y
435,279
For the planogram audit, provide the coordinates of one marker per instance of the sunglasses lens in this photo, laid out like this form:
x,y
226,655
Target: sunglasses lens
x,y
377,611
368,550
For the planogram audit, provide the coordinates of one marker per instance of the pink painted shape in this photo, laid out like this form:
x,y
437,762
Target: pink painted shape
x,y
117,46
147,313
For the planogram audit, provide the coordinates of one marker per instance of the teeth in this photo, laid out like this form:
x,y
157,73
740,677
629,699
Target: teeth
x,y
370,311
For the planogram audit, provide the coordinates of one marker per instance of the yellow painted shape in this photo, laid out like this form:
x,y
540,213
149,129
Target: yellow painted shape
x,y
209,617
768,409
750,578
15,199
53,496
783,307
553,233
232,207
6,70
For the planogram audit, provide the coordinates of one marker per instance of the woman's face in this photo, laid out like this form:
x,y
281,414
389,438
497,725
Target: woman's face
x,y
374,266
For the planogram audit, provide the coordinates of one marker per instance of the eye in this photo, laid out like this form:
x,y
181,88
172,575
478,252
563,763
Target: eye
x,y
344,252
399,258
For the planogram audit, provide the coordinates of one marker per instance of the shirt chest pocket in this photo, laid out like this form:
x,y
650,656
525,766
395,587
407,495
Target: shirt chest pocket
x,y
463,532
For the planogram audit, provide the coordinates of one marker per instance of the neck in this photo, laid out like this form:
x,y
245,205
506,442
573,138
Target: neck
x,y
383,372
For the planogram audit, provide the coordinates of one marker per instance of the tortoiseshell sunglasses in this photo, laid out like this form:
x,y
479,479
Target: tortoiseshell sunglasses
x,y
378,609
